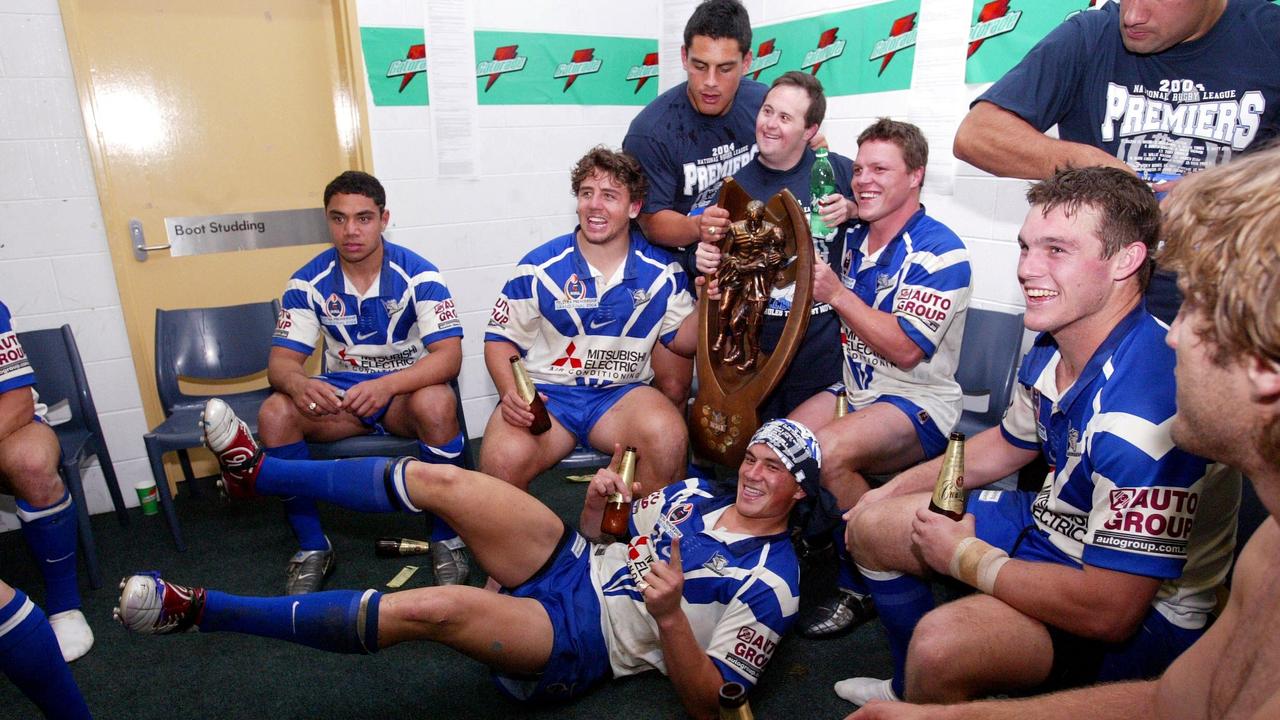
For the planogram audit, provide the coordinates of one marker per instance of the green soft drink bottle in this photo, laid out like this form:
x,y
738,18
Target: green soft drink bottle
x,y
822,182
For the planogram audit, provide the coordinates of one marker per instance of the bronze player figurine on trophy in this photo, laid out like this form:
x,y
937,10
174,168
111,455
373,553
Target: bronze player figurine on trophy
x,y
767,246
745,279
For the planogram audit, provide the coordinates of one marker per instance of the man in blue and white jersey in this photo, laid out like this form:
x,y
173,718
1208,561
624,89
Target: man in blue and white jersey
x,y
34,647
902,294
392,343
1110,570
788,120
702,593
585,311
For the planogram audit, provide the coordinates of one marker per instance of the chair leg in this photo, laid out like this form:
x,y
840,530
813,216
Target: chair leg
x,y
109,473
88,549
155,457
184,459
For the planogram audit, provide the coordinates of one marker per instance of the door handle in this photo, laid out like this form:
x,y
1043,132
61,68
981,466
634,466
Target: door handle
x,y
140,246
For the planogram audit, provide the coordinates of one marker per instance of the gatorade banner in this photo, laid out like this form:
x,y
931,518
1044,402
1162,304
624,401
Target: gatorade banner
x,y
396,60
1003,31
864,50
515,68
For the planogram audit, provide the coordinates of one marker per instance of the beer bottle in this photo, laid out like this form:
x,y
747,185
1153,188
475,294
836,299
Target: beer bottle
x,y
528,393
617,512
822,182
397,547
733,702
842,405
948,493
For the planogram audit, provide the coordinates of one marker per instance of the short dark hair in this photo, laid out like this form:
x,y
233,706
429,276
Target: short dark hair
x,y
720,19
908,138
354,182
620,164
811,85
1128,209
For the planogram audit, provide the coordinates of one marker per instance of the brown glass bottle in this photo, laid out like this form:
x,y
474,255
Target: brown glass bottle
x,y
399,547
617,512
733,702
528,393
948,492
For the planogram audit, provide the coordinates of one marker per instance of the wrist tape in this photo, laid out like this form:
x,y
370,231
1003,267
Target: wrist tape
x,y
977,563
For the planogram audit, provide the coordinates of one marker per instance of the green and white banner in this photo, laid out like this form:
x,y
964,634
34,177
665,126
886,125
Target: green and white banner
x,y
518,68
864,50
396,59
1003,31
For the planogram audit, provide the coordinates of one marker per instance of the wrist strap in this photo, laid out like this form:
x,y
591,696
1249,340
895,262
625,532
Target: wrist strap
x,y
977,563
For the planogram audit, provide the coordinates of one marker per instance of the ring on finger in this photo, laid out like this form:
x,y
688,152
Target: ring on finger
x,y
312,407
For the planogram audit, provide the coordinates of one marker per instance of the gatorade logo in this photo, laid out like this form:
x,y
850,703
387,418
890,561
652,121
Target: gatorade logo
x,y
505,60
766,57
583,62
414,62
902,35
642,72
829,48
994,19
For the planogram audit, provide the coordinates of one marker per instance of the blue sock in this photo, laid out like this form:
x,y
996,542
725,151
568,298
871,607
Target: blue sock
x,y
51,535
303,514
341,621
353,483
847,576
31,658
901,601
450,454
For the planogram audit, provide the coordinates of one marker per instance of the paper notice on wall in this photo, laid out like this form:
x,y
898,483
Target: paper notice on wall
x,y
453,108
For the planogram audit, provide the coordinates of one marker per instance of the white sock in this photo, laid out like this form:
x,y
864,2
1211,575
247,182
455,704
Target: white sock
x,y
73,633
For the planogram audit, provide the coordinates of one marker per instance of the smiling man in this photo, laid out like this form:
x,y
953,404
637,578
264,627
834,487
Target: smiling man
x,y
1111,569
702,593
1161,88
392,342
585,311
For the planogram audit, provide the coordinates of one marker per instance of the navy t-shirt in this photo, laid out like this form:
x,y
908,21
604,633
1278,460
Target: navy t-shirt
x,y
817,362
1190,107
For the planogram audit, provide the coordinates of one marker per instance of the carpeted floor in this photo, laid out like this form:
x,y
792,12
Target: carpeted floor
x,y
243,549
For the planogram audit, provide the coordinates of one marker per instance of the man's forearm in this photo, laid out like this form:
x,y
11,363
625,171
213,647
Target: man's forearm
x,y
285,370
669,228
497,359
1002,143
694,676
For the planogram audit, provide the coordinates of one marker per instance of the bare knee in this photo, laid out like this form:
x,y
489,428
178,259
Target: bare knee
x,y
424,614
31,469
864,533
934,665
278,421
434,415
430,485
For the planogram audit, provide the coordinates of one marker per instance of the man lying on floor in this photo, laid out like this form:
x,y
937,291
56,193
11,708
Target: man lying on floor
x,y
702,593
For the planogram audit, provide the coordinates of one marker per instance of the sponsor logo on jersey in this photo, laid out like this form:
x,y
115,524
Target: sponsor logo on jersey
x,y
829,48
583,62
766,57
902,35
283,324
645,70
568,360
1072,526
13,359
501,313
1154,520
334,307
381,363
446,313
639,560
414,62
927,306
752,651
505,60
994,19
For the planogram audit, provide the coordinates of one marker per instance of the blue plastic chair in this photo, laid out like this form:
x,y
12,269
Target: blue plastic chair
x,y
60,376
204,344
988,365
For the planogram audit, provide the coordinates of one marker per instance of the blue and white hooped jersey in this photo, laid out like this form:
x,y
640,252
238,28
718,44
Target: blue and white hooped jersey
x,y
922,277
576,327
387,329
15,370
741,592
1119,494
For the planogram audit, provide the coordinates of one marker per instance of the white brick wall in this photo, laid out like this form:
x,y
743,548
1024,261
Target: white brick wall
x,y
54,266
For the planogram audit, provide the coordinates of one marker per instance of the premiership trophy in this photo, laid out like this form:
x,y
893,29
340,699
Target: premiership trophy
x,y
767,246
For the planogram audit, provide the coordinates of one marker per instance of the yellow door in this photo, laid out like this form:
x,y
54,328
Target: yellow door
x,y
198,108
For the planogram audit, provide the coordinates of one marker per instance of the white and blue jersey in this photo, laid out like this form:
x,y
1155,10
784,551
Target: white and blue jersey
x,y
741,592
1119,495
921,277
385,329
576,327
15,370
